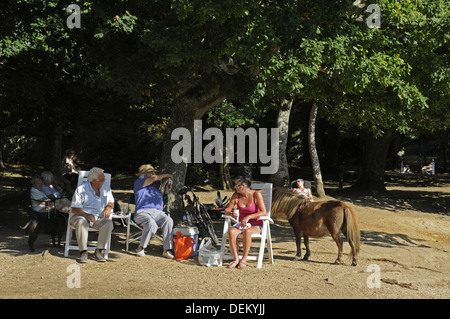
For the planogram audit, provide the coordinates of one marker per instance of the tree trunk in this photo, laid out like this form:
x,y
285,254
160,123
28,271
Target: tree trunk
x,y
2,145
371,177
2,165
391,155
186,109
224,173
443,139
281,177
54,149
313,151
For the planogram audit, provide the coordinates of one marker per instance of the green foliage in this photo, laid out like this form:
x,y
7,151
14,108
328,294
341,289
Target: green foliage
x,y
256,52
228,114
369,78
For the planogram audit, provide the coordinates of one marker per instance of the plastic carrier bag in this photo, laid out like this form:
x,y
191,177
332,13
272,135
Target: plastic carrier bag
x,y
183,246
208,255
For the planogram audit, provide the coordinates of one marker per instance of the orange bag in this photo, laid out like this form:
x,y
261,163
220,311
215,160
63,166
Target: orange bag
x,y
183,246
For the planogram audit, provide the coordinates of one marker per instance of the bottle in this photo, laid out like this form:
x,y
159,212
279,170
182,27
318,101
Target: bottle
x,y
236,211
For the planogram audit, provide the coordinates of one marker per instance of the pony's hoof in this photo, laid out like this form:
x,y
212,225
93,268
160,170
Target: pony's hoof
x,y
337,262
297,258
354,263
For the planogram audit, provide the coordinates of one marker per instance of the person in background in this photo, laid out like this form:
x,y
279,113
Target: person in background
x,y
54,192
302,191
69,170
428,168
39,201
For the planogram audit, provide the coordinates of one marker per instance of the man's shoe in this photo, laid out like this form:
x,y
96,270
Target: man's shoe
x,y
84,258
99,256
140,252
168,254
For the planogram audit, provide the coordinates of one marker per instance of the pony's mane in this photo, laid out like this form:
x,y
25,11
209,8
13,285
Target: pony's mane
x,y
286,203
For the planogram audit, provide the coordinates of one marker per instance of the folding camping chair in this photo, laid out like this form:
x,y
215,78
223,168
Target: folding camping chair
x,y
265,236
132,237
83,177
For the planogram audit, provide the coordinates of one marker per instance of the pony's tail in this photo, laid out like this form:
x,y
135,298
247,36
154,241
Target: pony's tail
x,y
353,233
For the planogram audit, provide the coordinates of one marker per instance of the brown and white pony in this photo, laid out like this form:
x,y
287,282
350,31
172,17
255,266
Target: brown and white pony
x,y
317,219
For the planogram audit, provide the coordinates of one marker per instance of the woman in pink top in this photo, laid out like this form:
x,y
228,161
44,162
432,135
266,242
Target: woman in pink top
x,y
251,206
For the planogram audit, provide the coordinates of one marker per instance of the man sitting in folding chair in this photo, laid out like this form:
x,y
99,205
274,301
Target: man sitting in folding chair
x,y
251,207
92,204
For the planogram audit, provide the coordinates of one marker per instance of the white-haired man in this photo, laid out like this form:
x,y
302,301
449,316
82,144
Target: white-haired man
x,y
92,204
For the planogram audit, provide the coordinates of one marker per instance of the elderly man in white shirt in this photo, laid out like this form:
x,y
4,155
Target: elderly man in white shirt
x,y
92,205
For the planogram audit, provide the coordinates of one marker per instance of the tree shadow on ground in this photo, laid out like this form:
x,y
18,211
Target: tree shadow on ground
x,y
386,240
424,197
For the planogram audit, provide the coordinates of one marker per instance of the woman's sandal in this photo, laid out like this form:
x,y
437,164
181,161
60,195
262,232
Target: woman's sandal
x,y
242,264
233,264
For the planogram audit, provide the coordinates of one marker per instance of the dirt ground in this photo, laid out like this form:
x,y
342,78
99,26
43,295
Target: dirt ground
x,y
405,245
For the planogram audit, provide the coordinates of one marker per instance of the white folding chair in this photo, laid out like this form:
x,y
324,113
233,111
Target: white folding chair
x,y
83,177
265,236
